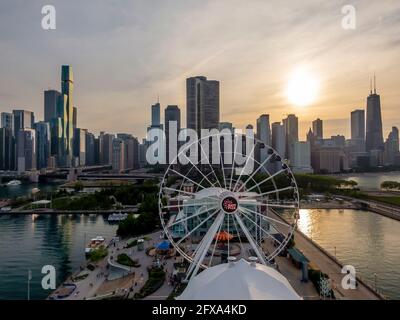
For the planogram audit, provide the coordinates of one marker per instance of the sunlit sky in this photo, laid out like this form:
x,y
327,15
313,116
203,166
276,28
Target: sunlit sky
x,y
125,53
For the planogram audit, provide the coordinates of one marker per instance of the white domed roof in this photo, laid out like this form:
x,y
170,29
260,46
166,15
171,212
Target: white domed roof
x,y
239,281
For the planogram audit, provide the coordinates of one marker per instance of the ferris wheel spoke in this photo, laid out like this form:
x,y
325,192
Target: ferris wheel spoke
x,y
233,161
259,227
260,254
267,179
198,226
189,205
244,167
178,173
268,192
215,245
265,217
208,238
190,217
189,193
221,159
238,234
258,169
179,191
272,205
209,164
198,170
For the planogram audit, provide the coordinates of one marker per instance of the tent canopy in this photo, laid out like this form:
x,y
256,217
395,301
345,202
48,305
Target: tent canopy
x,y
239,281
164,245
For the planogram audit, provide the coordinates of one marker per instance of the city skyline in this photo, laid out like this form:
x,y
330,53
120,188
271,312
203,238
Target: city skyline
x,y
253,60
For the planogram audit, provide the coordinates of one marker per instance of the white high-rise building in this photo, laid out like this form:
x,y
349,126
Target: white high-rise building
x,y
278,142
118,155
278,138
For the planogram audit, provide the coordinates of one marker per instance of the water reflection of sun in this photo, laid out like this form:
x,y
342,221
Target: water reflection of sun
x,y
305,223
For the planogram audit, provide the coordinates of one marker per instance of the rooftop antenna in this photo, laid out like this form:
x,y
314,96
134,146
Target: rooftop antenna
x,y
370,85
158,98
374,83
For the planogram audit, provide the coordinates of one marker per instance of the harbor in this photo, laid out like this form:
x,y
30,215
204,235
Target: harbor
x,y
64,241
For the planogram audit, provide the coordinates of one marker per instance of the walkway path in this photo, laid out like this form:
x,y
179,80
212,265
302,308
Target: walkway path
x,y
329,265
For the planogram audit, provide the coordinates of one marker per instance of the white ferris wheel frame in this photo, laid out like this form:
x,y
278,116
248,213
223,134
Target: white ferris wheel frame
x,y
196,259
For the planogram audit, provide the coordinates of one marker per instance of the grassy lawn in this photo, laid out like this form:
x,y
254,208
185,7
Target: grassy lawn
x,y
125,260
393,200
98,254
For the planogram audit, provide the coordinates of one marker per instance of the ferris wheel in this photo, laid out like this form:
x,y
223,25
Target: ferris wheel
x,y
211,212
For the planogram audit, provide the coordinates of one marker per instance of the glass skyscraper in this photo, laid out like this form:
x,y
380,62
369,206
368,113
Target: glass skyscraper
x,y
43,144
202,103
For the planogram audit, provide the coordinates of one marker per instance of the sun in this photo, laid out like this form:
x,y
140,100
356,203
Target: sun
x,y
302,88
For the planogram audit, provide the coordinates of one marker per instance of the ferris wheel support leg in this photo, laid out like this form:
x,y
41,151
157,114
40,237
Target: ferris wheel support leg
x,y
201,253
254,246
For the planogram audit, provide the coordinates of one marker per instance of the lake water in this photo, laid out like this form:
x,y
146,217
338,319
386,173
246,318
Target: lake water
x,y
25,189
57,240
368,241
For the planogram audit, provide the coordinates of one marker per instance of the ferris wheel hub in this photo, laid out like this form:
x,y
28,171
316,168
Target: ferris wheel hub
x,y
229,202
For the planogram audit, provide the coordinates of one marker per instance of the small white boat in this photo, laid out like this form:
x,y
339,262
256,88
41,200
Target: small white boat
x,y
116,217
14,183
95,243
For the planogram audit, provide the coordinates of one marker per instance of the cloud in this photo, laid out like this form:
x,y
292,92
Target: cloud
x,y
124,53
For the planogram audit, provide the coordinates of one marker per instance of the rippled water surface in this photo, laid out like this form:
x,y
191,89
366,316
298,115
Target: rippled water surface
x,y
366,240
57,240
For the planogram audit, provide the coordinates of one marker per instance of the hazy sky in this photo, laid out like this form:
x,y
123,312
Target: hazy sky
x,y
124,53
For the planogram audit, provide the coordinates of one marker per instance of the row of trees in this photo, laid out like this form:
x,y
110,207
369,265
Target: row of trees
x,y
306,183
146,221
106,198
390,185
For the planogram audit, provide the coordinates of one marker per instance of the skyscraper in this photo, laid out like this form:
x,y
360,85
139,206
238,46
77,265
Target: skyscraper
x,y
7,120
131,152
79,149
392,147
26,150
278,138
105,148
74,117
317,128
172,116
264,129
90,149
301,159
56,138
264,135
43,144
278,142
7,153
291,124
66,112
374,135
358,124
155,115
51,98
202,104
118,155
22,119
